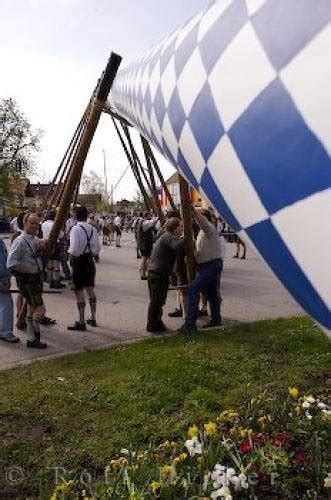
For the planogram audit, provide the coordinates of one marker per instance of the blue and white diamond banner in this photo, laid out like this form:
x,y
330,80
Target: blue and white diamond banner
x,y
239,101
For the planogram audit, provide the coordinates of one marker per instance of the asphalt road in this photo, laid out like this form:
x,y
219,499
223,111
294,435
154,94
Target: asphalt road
x,y
249,290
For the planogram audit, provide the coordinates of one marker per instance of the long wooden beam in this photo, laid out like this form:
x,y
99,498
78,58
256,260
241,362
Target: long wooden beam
x,y
83,147
185,204
150,153
133,166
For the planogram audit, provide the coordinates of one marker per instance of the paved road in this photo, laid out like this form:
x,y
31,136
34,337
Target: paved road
x,y
249,290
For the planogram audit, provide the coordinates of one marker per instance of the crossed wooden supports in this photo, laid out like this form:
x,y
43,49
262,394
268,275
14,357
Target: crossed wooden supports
x,y
64,187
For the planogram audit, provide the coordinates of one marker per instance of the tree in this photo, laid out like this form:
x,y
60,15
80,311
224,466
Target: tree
x,y
18,143
139,202
92,183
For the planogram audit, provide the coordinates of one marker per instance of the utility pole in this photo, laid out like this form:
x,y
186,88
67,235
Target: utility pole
x,y
111,198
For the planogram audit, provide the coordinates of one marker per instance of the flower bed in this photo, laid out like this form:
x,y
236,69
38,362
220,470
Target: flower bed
x,y
268,448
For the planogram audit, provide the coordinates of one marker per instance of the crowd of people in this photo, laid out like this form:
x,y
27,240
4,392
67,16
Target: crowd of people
x,y
160,248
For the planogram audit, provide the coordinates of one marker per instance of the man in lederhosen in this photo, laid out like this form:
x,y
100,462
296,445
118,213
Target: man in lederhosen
x,y
26,265
84,246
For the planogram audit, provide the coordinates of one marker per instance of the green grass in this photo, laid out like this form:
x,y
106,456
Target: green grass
x,y
151,390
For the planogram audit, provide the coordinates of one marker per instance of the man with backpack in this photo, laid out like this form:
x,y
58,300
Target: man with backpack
x,y
145,240
84,246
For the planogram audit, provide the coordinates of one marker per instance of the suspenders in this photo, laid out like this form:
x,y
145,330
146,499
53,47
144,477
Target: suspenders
x,y
88,246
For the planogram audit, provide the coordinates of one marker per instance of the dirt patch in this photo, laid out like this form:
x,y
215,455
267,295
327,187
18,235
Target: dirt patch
x,y
24,434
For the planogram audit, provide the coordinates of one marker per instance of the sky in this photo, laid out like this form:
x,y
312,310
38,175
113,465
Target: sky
x,y
52,53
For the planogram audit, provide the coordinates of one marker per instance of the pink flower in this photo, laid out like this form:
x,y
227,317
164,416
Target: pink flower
x,y
259,439
283,439
245,446
300,458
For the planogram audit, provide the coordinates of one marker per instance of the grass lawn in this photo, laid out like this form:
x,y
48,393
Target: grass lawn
x,y
78,411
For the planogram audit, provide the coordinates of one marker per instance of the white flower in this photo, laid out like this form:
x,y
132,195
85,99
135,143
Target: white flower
x,y
220,467
327,481
230,472
60,379
124,451
243,481
306,405
236,482
326,412
308,415
215,494
216,475
194,446
223,493
322,406
310,399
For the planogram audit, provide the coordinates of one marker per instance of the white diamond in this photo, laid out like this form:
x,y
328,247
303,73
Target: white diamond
x,y
308,80
234,184
169,136
191,152
154,80
240,75
302,225
192,79
254,5
168,81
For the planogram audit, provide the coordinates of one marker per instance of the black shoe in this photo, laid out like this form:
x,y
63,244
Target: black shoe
x,y
187,329
235,257
36,344
157,329
91,322
243,257
211,325
143,278
21,324
138,256
177,313
202,313
47,321
77,326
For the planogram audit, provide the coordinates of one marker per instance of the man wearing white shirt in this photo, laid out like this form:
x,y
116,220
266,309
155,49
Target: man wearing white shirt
x,y
118,229
84,246
53,265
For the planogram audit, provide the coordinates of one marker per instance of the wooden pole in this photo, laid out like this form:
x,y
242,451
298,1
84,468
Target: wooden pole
x,y
187,222
149,152
83,147
133,166
153,183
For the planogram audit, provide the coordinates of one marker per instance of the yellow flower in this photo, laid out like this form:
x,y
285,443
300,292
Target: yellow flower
x,y
210,429
155,487
166,470
294,393
177,460
165,445
245,432
297,410
262,420
253,401
183,456
228,415
193,431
